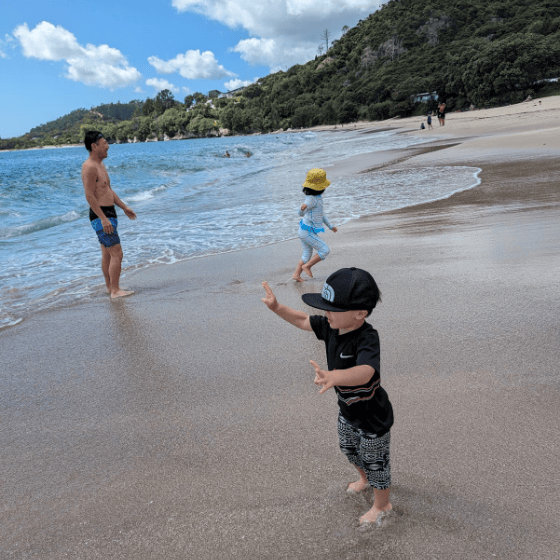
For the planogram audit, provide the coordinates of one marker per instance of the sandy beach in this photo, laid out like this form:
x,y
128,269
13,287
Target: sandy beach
x,y
183,422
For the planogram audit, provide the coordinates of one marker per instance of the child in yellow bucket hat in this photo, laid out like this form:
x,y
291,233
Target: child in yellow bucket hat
x,y
312,222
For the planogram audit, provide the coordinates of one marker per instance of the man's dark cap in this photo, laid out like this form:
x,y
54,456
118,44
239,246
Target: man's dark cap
x,y
345,290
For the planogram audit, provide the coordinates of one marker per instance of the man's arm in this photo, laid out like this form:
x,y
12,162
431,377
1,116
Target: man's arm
x,y
89,178
351,377
126,209
297,318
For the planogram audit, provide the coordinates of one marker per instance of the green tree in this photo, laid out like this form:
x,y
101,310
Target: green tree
x,y
199,98
148,107
164,100
143,130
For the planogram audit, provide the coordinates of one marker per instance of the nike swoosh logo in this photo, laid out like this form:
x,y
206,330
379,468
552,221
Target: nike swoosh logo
x,y
344,357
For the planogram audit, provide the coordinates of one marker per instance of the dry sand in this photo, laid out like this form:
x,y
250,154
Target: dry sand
x,y
183,422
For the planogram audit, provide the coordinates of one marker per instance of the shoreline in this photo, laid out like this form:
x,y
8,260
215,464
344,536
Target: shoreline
x,y
183,421
361,163
551,103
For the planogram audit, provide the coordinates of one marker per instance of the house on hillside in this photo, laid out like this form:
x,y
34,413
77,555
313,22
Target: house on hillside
x,y
233,93
424,97
549,80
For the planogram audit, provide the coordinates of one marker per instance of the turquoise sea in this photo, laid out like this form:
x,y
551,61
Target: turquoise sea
x,y
190,201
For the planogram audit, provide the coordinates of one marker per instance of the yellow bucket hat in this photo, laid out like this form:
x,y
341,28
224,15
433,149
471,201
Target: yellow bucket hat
x,y
316,180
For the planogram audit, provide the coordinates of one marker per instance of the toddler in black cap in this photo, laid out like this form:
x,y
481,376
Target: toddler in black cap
x,y
365,413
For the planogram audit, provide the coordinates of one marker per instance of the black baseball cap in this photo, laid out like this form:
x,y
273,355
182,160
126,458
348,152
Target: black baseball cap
x,y
345,290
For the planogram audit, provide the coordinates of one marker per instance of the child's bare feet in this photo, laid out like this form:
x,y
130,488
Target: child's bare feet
x,y
356,487
376,515
307,269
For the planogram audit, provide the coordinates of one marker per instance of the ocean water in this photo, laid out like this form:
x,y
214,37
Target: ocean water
x,y
190,201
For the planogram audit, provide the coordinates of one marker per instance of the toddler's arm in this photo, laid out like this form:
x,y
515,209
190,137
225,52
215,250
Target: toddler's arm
x,y
327,222
351,377
296,318
309,204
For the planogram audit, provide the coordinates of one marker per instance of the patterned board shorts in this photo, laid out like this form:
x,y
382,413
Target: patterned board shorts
x,y
366,451
106,239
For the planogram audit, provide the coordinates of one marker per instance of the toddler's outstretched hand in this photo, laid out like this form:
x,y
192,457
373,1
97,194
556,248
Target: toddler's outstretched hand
x,y
270,299
321,377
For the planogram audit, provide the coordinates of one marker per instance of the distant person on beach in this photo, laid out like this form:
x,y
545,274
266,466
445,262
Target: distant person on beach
x,y
312,223
430,120
227,154
365,413
441,114
248,154
102,214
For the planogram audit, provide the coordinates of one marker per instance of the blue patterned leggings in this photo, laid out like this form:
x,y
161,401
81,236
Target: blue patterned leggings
x,y
310,241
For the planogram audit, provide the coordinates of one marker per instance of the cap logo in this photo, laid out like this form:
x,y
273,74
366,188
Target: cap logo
x,y
327,293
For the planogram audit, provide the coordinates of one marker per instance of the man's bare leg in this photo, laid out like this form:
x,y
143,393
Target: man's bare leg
x,y
115,260
307,266
380,505
105,260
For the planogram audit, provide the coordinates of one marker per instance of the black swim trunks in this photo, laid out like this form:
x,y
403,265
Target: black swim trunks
x,y
106,239
109,211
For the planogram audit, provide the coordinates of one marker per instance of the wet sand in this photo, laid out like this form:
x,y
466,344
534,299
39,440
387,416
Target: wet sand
x,y
183,422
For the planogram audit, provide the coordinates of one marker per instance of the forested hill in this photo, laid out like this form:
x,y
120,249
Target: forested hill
x,y
69,128
483,52
109,112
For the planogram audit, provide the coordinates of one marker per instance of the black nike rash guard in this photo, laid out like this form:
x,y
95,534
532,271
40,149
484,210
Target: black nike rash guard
x,y
366,407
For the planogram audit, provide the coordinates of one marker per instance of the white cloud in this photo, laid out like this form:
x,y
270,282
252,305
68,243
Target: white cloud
x,y
276,53
94,66
47,42
237,83
255,50
138,89
8,41
160,85
193,65
282,33
327,7
271,18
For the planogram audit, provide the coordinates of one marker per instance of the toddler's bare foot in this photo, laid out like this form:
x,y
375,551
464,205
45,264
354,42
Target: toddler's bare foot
x,y
307,270
122,293
356,487
298,278
375,515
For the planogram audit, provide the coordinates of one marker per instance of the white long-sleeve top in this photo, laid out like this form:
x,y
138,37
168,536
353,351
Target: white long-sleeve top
x,y
313,216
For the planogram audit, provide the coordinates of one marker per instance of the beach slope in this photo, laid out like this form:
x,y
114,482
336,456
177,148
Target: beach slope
x,y
183,422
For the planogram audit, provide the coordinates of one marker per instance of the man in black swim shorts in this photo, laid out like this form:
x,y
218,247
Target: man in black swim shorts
x,y
102,214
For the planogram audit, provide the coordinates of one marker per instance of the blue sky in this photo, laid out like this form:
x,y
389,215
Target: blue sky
x,y
61,55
